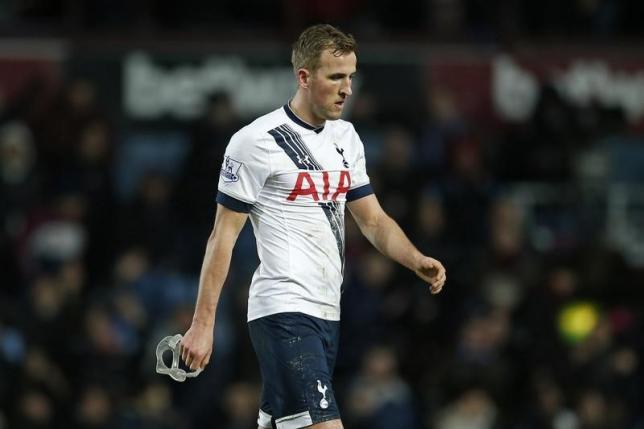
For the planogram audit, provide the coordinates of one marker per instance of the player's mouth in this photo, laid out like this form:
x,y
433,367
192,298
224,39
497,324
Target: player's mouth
x,y
340,104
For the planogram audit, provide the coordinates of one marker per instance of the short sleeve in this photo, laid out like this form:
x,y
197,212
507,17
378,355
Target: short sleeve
x,y
360,185
244,171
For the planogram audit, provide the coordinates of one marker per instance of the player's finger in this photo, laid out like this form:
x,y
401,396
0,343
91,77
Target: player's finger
x,y
183,348
205,361
189,359
433,264
196,363
439,280
441,273
441,270
197,360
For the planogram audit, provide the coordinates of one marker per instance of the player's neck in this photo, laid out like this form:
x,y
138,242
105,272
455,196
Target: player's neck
x,y
301,108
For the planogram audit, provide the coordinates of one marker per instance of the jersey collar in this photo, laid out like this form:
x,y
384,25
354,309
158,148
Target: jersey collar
x,y
300,122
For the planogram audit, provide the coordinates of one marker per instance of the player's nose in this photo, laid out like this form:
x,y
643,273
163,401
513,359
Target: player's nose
x,y
345,90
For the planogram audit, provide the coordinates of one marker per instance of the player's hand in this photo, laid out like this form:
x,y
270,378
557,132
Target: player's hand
x,y
431,271
196,346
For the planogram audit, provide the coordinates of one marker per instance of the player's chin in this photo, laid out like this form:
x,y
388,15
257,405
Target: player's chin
x,y
334,114
335,111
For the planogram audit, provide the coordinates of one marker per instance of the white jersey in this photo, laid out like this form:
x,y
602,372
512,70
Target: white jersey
x,y
294,179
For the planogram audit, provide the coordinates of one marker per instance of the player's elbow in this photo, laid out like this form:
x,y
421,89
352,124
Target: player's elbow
x,y
371,225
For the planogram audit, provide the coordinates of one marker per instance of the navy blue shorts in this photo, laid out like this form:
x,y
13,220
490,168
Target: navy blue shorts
x,y
296,355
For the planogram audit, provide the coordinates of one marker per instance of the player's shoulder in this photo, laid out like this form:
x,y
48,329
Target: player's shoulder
x,y
343,130
257,130
265,123
342,125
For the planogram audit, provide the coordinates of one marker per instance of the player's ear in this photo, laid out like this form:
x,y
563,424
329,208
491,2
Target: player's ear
x,y
303,77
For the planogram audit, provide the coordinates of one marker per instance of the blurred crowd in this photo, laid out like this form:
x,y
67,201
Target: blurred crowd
x,y
103,231
472,20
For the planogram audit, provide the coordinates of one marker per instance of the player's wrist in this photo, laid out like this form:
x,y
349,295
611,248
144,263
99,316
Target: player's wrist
x,y
417,259
203,322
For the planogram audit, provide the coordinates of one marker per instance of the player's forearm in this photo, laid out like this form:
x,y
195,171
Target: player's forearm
x,y
214,271
391,241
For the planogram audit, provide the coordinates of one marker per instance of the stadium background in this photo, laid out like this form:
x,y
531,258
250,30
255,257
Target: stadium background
x,y
504,136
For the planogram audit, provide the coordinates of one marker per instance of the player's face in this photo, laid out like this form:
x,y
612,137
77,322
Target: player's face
x,y
330,85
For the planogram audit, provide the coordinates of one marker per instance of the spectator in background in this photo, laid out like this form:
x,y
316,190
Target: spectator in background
x,y
53,234
240,404
481,355
18,175
443,126
147,221
397,174
195,204
91,173
20,188
94,409
473,409
506,266
595,412
378,397
542,148
363,307
549,409
366,116
59,128
33,409
432,221
55,301
42,392
467,188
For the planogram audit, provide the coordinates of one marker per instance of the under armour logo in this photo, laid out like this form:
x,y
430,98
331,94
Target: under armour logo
x,y
304,160
324,404
341,152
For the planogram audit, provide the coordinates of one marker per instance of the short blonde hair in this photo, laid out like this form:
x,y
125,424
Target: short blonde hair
x,y
317,39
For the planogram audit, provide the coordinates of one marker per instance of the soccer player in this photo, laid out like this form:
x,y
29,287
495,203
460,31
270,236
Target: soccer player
x,y
292,171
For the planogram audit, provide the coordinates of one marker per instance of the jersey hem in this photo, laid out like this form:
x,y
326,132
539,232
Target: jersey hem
x,y
299,307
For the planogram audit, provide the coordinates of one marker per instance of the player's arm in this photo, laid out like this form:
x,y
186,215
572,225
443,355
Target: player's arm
x,y
386,236
196,346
